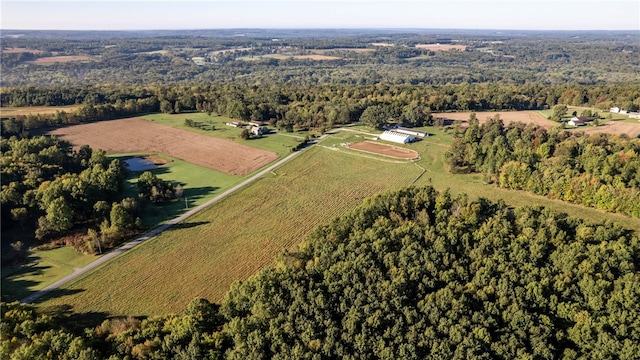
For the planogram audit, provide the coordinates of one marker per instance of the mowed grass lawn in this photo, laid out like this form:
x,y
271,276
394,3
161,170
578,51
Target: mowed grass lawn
x,y
280,143
235,238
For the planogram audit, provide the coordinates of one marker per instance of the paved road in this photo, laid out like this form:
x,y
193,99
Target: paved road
x,y
131,244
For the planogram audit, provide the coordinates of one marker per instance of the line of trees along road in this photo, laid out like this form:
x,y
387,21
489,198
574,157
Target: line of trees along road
x,y
410,274
598,170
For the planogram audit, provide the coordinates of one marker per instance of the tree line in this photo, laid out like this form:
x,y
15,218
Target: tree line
x,y
598,170
303,107
414,274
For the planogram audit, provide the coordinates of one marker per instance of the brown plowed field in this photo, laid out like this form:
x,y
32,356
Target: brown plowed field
x,y
385,150
137,135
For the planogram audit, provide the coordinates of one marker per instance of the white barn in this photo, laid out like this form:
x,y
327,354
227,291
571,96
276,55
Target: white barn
x,y
396,137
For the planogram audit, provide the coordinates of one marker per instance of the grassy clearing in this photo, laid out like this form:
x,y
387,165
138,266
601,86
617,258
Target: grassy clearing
x,y
235,238
280,143
199,183
45,267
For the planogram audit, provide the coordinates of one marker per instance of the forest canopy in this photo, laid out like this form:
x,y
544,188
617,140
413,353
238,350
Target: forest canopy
x,y
410,274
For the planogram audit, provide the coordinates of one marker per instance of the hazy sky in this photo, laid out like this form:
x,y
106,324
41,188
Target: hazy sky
x,y
430,14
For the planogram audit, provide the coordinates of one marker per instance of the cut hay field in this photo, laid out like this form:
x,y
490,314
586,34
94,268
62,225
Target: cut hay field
x,y
7,111
235,238
138,135
318,57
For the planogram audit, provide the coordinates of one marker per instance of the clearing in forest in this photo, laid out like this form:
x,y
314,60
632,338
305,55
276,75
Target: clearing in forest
x,y
137,135
50,60
441,47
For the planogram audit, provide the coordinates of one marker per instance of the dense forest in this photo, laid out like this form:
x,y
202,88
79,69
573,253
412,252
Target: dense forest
x,y
50,191
410,274
598,170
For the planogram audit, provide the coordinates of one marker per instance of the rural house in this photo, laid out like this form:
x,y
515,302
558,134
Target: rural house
x,y
259,130
579,121
396,137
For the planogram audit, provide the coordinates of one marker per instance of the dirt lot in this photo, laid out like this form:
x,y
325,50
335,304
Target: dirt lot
x,y
50,60
441,47
385,150
528,117
137,135
612,127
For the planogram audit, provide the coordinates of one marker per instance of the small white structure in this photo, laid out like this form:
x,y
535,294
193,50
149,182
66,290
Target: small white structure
x,y
614,109
396,137
259,130
634,115
413,132
577,121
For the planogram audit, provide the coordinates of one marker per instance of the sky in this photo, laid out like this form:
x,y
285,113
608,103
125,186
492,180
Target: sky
x,y
349,14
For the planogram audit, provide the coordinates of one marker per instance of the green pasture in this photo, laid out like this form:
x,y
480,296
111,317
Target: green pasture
x,y
45,266
242,234
215,126
199,185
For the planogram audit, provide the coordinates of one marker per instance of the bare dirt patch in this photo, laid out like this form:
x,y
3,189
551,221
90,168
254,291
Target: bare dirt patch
x,y
50,60
441,47
384,150
137,135
527,117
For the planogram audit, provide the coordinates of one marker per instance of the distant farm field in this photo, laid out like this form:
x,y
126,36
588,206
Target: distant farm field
x,y
527,117
285,57
27,110
441,47
628,127
50,60
235,238
137,135
15,50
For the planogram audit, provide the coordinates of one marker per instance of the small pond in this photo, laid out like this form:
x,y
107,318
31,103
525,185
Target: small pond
x,y
139,164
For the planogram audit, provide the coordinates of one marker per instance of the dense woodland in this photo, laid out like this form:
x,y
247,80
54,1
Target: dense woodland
x,y
410,274
598,170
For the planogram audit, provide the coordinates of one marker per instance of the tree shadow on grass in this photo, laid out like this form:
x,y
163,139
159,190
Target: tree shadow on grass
x,y
199,192
187,225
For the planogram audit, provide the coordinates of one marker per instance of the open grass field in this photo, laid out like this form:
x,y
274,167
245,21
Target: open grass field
x,y
7,111
138,135
234,239
50,60
441,47
356,50
44,267
237,237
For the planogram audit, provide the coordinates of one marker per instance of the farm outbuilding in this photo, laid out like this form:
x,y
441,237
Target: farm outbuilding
x,y
416,133
396,137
